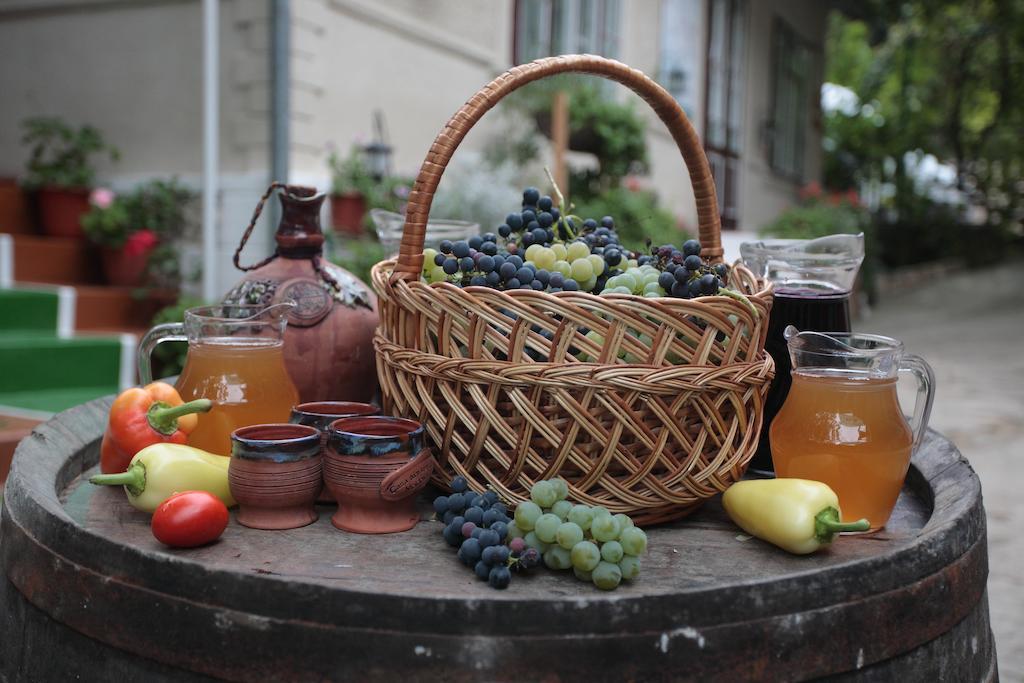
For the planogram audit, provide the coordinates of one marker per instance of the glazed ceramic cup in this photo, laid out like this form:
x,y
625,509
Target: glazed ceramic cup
x,y
374,467
275,475
320,414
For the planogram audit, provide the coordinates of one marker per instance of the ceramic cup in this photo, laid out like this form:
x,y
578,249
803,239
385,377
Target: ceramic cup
x,y
320,414
374,467
275,475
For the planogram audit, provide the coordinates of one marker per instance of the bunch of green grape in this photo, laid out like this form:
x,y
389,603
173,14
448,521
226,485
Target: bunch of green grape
x,y
600,548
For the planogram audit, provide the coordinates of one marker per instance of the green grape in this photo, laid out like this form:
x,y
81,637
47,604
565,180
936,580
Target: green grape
x,y
589,284
563,267
598,263
620,290
514,532
604,528
545,259
437,274
561,488
561,508
527,514
582,270
581,515
559,251
653,287
654,295
568,535
531,252
582,575
630,567
624,522
532,541
649,277
625,280
600,509
547,527
631,263
606,576
585,556
557,557
577,250
543,494
611,551
633,540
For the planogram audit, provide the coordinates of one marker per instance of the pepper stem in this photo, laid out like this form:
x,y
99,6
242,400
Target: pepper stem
x,y
164,418
133,479
827,525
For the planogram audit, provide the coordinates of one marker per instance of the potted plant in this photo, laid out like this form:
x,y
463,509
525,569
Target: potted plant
x,y
352,184
60,172
136,233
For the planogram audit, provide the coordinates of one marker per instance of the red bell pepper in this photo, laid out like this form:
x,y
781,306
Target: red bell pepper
x,y
142,417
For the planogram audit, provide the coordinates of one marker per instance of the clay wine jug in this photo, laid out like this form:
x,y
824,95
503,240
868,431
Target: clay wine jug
x,y
328,344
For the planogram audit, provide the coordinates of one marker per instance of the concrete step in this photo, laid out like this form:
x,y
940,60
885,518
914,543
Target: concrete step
x,y
53,260
117,308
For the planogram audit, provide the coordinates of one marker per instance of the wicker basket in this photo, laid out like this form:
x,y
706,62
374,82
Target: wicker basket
x,y
661,414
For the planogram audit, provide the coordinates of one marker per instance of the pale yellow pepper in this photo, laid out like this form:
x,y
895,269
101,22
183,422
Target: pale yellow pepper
x,y
163,469
797,515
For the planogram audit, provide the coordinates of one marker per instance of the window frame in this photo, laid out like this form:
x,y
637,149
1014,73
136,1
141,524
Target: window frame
x,y
799,47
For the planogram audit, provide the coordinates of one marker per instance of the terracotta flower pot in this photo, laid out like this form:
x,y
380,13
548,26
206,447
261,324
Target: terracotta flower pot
x,y
375,466
320,414
14,214
124,268
275,475
347,212
61,210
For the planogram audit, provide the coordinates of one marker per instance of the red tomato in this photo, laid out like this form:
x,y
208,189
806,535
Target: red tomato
x,y
189,519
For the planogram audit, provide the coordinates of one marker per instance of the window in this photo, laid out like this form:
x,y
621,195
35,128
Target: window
x,y
679,51
723,106
556,27
791,67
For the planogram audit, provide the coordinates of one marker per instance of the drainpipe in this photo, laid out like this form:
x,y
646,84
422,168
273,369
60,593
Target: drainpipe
x,y
211,113
280,80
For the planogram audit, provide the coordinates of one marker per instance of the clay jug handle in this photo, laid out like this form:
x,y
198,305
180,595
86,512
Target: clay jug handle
x,y
408,479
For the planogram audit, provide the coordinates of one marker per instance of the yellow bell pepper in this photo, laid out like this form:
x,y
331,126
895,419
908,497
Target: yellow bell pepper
x,y
797,515
163,469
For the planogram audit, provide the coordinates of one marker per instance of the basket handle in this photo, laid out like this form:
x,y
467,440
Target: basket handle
x,y
410,255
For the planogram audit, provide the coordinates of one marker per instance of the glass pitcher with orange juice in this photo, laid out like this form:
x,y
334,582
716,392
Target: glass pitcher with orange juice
x,y
842,423
235,359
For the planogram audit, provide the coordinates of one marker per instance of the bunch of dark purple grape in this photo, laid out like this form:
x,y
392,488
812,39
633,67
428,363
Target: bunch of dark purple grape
x,y
477,524
684,274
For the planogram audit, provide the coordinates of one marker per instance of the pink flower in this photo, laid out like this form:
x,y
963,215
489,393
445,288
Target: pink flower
x,y
102,197
633,183
811,190
138,243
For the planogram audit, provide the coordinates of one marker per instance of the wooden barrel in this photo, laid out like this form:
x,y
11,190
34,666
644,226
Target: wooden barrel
x,y
89,594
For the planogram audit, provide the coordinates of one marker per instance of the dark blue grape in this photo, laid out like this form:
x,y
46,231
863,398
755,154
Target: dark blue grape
x,y
527,238
543,276
500,527
457,501
480,502
692,263
489,537
457,521
493,279
694,288
475,241
487,555
529,558
540,235
513,221
545,203
485,264
489,248
441,505
545,219
602,232
515,260
666,280
451,266
537,286
524,274
448,516
482,570
555,213
691,248
680,290
490,517
644,260
467,264
501,553
445,246
556,280
469,551
613,256
531,195
507,270
608,222
526,285
478,281
514,283
528,216
500,577
489,237
453,536
722,270
460,249
589,224
570,285
681,274
439,259
477,532
491,497
709,284
504,230
474,514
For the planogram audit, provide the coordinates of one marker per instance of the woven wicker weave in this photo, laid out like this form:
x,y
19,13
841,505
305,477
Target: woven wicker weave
x,y
656,416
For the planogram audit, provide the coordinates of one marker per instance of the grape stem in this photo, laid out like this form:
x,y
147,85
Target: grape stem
x,y
742,298
558,193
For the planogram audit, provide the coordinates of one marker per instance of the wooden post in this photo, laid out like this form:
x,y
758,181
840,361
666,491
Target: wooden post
x,y
560,139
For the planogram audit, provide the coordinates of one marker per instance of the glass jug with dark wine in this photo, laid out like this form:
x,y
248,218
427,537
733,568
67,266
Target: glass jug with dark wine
x,y
813,280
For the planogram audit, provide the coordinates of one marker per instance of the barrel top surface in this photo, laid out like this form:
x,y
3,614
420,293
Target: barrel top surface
x,y
699,574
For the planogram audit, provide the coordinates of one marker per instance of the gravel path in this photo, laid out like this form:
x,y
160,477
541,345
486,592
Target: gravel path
x,y
970,327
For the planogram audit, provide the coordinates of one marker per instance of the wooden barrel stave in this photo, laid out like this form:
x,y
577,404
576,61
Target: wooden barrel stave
x,y
246,624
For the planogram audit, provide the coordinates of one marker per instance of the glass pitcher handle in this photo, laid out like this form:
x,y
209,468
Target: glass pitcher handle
x,y
160,333
925,394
